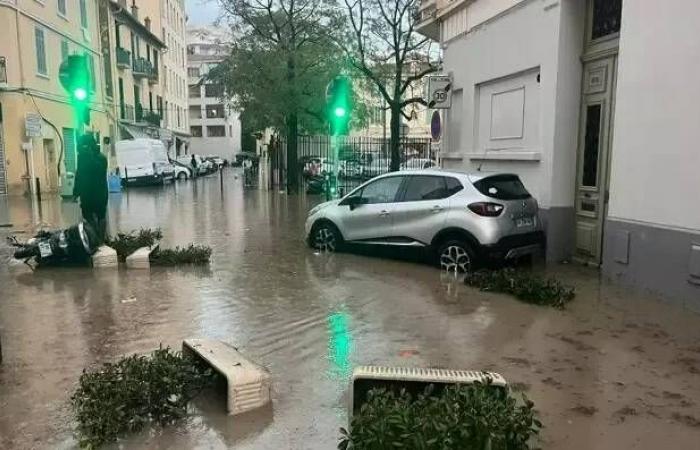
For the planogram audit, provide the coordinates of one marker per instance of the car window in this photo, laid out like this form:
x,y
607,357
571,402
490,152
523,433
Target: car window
x,y
383,190
502,187
453,186
425,187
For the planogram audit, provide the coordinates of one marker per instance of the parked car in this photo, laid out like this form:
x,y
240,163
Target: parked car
x,y
182,172
203,166
418,163
216,161
375,166
462,219
143,161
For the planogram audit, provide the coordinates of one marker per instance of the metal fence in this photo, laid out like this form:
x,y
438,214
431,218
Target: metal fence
x,y
354,159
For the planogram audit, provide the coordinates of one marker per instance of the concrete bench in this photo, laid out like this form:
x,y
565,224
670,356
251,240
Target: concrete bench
x,y
140,259
247,384
105,257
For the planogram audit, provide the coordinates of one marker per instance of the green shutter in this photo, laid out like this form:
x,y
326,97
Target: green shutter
x,y
40,51
83,14
69,149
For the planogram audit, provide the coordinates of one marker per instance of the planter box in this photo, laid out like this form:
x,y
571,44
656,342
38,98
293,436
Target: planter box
x,y
105,257
140,259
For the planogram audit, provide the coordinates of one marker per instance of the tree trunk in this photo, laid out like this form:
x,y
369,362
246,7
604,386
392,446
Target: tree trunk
x,y
292,159
395,139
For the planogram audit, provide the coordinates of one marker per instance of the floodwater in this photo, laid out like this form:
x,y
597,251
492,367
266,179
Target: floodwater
x,y
614,370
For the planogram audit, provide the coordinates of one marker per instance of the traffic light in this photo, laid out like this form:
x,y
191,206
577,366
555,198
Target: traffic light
x,y
339,103
74,75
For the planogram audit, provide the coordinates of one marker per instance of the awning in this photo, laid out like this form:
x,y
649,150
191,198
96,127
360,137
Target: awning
x,y
135,132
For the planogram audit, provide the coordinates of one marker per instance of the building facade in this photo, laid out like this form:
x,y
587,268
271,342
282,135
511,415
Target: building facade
x,y
589,107
214,125
36,37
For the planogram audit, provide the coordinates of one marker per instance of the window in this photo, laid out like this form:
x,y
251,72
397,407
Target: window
x,y
607,15
40,45
502,187
91,69
61,4
425,187
213,90
83,14
193,71
453,186
382,191
215,111
195,112
64,49
216,131
591,145
196,131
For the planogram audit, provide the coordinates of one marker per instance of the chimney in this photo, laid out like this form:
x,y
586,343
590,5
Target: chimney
x,y
134,9
147,23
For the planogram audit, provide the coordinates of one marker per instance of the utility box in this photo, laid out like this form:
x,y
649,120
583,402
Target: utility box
x,y
67,184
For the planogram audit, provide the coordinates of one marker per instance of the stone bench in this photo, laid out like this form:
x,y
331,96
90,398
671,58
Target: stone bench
x,y
248,384
140,259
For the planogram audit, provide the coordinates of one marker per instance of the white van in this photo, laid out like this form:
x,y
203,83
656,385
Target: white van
x,y
143,161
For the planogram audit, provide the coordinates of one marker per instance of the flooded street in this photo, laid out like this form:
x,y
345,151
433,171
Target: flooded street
x,y
615,370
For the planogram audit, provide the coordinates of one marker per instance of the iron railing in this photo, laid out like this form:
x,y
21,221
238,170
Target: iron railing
x,y
126,112
123,58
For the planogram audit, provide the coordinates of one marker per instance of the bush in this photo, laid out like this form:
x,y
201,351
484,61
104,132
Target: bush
x,y
525,286
465,417
127,243
192,254
137,390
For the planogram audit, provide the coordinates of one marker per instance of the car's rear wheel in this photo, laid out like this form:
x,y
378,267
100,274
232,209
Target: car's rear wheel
x,y
456,256
181,176
325,237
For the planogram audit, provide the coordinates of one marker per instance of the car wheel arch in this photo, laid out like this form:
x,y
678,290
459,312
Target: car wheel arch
x,y
326,221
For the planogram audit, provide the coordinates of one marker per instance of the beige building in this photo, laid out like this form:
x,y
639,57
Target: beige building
x,y
36,36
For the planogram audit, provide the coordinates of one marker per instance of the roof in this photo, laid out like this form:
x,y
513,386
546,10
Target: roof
x,y
124,16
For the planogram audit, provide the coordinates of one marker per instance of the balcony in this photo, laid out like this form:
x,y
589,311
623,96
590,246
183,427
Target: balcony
x,y
426,19
142,68
126,112
123,58
147,116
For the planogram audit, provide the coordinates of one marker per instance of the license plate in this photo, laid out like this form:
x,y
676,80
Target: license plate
x,y
45,249
524,222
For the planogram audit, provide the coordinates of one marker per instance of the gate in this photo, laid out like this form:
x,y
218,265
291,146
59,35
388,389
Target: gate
x,y
355,159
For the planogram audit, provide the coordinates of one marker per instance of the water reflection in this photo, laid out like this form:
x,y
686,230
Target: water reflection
x,y
340,345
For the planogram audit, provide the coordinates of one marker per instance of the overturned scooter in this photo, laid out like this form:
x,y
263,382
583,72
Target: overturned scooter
x,y
73,245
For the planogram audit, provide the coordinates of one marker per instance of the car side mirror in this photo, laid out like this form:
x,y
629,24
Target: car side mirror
x,y
354,202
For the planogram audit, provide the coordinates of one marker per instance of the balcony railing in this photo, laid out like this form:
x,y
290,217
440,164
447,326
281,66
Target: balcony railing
x,y
147,116
143,68
126,112
123,58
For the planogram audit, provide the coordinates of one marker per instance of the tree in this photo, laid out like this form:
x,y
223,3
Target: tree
x,y
281,61
383,42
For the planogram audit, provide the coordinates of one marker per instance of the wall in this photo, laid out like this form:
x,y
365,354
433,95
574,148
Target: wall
x,y
653,216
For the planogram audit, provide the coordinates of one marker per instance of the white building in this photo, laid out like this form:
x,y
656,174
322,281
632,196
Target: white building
x,y
214,125
594,103
174,33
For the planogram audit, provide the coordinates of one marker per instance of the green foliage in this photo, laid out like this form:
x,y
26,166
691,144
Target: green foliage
x,y
525,286
126,244
192,254
464,417
136,391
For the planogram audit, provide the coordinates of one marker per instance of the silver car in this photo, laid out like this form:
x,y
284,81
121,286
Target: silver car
x,y
463,219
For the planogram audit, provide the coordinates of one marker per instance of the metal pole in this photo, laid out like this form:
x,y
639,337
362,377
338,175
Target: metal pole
x,y
38,188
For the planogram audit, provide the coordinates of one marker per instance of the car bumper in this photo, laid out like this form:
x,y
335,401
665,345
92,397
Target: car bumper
x,y
515,246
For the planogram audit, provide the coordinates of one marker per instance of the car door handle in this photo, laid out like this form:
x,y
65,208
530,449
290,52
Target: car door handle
x,y
437,208
384,213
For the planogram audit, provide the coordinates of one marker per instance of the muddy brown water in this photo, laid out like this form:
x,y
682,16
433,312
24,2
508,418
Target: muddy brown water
x,y
616,369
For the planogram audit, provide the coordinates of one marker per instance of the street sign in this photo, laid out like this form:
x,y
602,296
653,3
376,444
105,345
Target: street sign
x,y
436,126
439,92
32,125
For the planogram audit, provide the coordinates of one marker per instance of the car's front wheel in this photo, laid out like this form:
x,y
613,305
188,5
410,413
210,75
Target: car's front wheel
x,y
181,176
325,237
456,256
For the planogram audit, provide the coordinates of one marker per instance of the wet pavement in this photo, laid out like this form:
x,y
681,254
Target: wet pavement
x,y
615,370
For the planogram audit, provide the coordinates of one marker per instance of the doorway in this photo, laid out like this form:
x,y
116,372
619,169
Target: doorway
x,y
603,25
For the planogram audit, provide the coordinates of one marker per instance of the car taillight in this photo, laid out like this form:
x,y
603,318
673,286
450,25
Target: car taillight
x,y
486,209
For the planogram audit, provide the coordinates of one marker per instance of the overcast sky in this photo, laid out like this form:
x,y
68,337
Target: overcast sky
x,y
201,12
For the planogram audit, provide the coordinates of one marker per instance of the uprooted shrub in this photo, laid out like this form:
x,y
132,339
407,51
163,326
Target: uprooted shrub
x,y
127,243
525,286
192,254
464,417
136,391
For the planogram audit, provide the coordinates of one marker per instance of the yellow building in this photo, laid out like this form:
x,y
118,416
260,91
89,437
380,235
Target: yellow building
x,y
36,37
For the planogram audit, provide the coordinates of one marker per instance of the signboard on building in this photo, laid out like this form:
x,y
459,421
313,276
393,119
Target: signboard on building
x,y
32,125
439,92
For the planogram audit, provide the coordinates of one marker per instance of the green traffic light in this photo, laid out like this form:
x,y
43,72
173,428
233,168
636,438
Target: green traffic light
x,y
340,112
80,94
